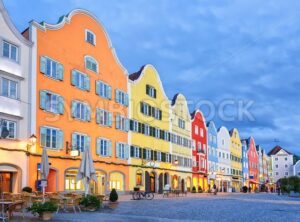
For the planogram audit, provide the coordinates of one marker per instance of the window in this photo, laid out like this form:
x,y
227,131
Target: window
x,y
158,156
201,132
286,173
135,152
122,123
196,130
147,154
103,89
181,123
8,128
121,97
139,177
51,102
80,142
70,181
80,80
90,37
122,151
103,147
81,111
150,111
91,64
276,158
116,181
151,91
104,117
51,68
286,166
147,129
10,51
285,158
51,138
276,165
277,173
9,88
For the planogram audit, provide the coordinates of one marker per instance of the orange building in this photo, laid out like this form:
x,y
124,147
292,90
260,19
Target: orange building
x,y
81,103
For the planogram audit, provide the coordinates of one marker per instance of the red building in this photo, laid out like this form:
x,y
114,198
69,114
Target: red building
x,y
199,138
253,161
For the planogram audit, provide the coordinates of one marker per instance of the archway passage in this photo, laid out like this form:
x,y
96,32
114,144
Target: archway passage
x,y
166,179
147,182
182,185
152,182
188,184
160,183
11,176
52,181
6,181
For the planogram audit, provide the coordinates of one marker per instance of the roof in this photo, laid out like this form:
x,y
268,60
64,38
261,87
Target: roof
x,y
174,99
276,149
134,76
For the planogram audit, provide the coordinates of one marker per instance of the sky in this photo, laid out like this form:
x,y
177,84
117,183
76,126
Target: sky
x,y
238,61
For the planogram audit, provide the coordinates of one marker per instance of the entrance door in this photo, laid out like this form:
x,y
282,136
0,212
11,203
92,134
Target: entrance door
x,y
6,185
160,183
182,185
152,182
99,187
51,186
147,182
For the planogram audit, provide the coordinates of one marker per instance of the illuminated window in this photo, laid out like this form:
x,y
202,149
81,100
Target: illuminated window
x,y
139,178
70,181
116,181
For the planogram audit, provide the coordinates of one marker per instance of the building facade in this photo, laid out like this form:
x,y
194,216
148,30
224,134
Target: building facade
x,y
81,103
297,169
224,163
282,163
151,164
212,147
254,165
200,160
15,76
236,160
245,163
260,153
181,143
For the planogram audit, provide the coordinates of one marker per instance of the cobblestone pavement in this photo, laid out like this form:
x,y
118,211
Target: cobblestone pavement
x,y
232,207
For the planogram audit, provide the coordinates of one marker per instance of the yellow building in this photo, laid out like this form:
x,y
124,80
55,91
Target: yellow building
x,y
150,162
181,143
236,160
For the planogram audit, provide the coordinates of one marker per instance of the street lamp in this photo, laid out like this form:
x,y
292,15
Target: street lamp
x,y
176,161
31,142
73,152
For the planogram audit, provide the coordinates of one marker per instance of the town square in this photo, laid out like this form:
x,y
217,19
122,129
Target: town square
x,y
149,111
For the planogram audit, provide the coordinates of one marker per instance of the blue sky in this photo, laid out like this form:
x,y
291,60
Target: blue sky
x,y
211,51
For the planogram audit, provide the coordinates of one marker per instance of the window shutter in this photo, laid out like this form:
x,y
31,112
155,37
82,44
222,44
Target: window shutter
x,y
117,121
126,151
73,108
42,99
131,151
144,153
74,77
87,83
117,95
109,92
98,88
109,119
147,89
74,142
155,155
43,64
60,71
61,105
43,136
60,139
139,127
160,115
142,107
98,116
143,128
131,125
140,152
87,144
152,155
155,93
88,113
98,146
117,150
126,125
126,100
109,147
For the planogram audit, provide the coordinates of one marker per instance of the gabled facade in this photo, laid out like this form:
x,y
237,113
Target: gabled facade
x,y
282,163
253,159
212,147
81,103
245,163
200,159
152,165
297,169
15,75
224,163
236,160
181,144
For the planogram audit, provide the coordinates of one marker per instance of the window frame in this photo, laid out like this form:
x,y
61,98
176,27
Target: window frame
x,y
94,60
10,44
94,37
15,127
9,87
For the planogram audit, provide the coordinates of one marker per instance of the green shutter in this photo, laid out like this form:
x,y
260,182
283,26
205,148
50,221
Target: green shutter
x,y
117,121
98,116
109,119
87,83
109,92
61,105
126,151
98,146
60,71
60,139
42,99
117,96
87,144
43,136
87,113
109,148
73,108
74,141
126,125
126,100
74,78
117,149
43,64
98,88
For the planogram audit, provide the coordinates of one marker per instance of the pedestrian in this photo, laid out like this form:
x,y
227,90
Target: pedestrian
x,y
215,189
250,189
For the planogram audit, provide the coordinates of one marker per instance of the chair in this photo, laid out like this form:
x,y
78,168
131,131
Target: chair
x,y
58,201
166,190
18,206
73,202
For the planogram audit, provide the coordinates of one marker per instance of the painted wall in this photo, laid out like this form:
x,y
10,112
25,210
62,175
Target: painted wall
x,y
282,165
65,42
253,159
236,159
245,163
212,145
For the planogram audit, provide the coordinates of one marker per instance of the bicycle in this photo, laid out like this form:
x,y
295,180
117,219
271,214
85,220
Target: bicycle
x,y
138,195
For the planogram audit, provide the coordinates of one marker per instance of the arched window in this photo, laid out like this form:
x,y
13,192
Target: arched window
x,y
139,177
116,181
91,64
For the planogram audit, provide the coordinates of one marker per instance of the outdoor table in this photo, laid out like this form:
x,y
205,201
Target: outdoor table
x,y
5,205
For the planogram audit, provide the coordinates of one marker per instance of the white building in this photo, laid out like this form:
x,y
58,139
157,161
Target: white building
x,y
224,166
282,163
297,169
15,54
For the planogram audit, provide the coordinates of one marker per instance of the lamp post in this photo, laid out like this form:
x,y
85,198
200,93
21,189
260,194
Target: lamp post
x,y
31,142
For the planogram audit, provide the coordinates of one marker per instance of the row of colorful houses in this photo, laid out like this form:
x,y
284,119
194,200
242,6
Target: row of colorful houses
x,y
63,89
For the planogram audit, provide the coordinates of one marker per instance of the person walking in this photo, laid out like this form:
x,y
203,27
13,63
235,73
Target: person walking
x,y
215,189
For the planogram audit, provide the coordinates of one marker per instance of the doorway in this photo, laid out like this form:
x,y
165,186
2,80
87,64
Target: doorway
x,y
52,181
182,186
7,181
152,182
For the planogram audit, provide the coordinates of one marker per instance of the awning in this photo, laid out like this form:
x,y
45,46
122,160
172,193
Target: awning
x,y
5,168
